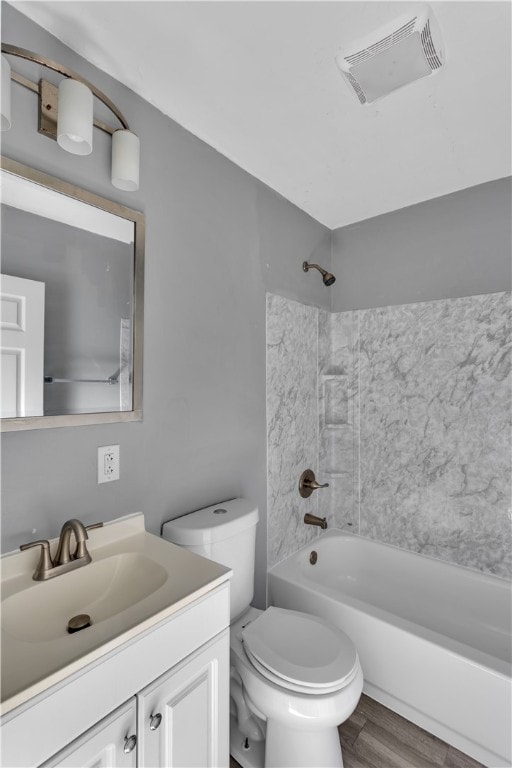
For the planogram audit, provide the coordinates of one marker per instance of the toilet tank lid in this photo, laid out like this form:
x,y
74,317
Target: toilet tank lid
x,y
220,521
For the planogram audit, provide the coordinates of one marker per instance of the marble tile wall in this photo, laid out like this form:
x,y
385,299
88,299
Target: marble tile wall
x,y
435,452
338,418
292,422
413,427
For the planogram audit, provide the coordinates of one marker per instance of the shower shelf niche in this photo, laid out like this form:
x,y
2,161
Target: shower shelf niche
x,y
335,399
337,449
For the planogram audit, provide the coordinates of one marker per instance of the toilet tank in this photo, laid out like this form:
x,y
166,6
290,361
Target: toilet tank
x,y
226,533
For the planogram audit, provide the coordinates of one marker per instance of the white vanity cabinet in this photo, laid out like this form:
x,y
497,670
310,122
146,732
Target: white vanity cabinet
x,y
157,644
178,669
178,714
112,743
175,722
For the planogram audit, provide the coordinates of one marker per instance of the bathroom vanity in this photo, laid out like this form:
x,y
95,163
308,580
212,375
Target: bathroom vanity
x,y
146,684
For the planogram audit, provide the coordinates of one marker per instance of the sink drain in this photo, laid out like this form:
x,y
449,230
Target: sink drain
x,y
77,623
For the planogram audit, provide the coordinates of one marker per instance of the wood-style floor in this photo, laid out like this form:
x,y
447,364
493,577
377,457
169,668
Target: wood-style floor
x,y
376,737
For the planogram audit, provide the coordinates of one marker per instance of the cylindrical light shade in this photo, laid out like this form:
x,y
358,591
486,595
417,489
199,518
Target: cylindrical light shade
x,y
75,117
125,160
5,122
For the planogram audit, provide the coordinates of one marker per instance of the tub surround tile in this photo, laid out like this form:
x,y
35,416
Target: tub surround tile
x,y
435,429
324,340
337,419
325,500
412,430
292,422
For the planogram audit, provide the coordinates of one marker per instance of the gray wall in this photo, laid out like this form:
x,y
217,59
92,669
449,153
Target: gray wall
x,y
456,245
217,240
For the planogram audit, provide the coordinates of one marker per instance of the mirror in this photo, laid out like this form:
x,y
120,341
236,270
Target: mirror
x,y
71,296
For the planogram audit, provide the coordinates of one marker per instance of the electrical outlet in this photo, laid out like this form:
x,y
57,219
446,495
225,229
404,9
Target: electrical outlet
x,y
108,463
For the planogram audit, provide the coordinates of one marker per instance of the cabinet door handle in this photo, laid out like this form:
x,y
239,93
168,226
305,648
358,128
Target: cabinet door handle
x,y
130,743
154,721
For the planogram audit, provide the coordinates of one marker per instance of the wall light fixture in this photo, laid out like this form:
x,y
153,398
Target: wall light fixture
x,y
66,115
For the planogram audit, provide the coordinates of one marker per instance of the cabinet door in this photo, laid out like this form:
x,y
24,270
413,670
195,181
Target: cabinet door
x,y
111,743
183,717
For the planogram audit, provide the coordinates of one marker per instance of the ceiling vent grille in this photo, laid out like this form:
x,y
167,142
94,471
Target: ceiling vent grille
x,y
357,88
381,45
429,48
397,54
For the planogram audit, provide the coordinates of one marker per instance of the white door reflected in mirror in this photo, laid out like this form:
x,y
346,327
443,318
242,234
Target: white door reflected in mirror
x,y
21,346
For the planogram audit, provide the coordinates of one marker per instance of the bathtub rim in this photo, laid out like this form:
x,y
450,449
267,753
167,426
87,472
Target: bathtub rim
x,y
475,731
335,532
494,664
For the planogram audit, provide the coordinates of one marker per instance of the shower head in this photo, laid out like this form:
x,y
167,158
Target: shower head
x,y
327,277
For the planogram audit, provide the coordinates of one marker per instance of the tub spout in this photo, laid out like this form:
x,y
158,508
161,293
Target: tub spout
x,y
310,519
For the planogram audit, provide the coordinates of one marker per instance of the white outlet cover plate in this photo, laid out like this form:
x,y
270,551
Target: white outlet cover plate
x,y
108,463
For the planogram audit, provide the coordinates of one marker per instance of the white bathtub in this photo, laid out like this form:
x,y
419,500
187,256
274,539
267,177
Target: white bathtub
x,y
433,638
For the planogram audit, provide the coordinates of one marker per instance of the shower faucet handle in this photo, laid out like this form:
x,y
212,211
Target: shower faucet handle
x,y
45,564
308,484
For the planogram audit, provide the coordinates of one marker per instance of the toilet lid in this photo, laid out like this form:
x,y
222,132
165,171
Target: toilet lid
x,y
301,649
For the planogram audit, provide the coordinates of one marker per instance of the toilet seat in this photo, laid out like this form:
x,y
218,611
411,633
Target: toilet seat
x,y
297,687
300,652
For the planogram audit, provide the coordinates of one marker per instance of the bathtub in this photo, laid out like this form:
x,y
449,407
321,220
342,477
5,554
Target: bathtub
x,y
433,638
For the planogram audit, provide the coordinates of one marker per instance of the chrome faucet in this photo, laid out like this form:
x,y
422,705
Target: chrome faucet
x,y
64,560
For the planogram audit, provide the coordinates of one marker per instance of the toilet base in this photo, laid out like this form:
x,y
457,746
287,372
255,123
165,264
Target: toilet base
x,y
254,756
287,748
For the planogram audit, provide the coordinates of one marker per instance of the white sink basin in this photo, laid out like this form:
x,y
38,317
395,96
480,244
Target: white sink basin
x,y
101,589
134,581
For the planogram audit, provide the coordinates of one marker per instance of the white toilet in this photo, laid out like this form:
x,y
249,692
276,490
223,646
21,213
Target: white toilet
x,y
294,677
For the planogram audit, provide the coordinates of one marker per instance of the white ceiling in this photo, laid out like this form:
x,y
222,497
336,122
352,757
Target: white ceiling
x,y
258,81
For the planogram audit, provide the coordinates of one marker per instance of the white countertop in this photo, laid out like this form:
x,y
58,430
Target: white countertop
x,y
29,667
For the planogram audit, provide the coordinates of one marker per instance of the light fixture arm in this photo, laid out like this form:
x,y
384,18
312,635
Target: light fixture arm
x,y
66,115
23,53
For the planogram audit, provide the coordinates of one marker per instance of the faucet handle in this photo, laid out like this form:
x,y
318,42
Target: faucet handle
x,y
45,561
93,525
308,484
